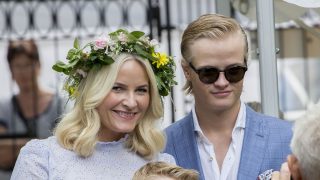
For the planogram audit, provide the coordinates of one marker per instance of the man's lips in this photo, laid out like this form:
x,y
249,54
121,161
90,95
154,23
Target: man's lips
x,y
221,93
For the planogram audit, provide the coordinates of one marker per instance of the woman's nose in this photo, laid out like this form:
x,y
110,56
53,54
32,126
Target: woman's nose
x,y
130,100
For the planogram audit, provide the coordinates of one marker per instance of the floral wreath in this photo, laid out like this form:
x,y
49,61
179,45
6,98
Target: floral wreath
x,y
104,48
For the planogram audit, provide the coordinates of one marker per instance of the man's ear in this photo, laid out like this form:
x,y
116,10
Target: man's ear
x,y
186,69
294,168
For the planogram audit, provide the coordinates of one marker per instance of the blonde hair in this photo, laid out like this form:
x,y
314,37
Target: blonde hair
x,y
158,169
78,130
211,26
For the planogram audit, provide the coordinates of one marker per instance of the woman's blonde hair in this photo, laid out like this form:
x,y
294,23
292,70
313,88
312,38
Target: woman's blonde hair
x,y
78,130
163,169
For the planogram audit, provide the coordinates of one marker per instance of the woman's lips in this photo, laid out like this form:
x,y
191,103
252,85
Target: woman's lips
x,y
125,115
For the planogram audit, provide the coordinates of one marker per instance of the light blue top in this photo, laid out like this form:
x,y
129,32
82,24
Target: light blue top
x,y
46,159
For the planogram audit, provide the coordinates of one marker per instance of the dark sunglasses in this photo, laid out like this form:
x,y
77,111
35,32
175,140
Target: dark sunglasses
x,y
209,75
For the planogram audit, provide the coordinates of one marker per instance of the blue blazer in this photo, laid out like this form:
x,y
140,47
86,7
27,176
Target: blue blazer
x,y
265,144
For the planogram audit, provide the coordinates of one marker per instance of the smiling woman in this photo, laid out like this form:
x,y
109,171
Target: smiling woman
x,y
126,103
111,131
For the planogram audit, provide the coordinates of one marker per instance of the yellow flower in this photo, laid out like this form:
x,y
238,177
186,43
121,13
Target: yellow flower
x,y
162,59
71,90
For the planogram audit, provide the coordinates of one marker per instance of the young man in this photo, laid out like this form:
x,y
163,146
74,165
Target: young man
x,y
221,137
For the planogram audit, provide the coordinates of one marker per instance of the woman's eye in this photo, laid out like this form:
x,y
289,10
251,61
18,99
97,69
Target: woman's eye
x,y
142,90
116,88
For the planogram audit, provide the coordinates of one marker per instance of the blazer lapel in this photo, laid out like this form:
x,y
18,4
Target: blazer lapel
x,y
254,146
186,146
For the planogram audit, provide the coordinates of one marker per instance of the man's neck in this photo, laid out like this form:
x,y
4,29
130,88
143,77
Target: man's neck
x,y
217,121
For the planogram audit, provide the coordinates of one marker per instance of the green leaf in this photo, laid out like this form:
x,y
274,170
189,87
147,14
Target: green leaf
x,y
73,63
107,60
59,66
71,53
137,34
76,43
143,53
62,67
116,33
93,57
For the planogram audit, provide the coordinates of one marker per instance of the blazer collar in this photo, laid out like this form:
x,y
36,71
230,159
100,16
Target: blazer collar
x,y
187,148
253,147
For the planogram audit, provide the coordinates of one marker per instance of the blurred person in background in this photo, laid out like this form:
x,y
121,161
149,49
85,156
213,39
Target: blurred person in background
x,y
31,113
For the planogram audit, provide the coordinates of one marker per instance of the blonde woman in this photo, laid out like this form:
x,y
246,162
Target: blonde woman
x,y
110,132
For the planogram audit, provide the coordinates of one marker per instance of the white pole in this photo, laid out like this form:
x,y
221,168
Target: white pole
x,y
267,57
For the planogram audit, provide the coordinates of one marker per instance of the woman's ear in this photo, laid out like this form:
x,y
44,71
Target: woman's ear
x,y
294,168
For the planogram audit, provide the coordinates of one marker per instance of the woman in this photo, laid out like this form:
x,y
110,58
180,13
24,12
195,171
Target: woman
x,y
33,111
110,132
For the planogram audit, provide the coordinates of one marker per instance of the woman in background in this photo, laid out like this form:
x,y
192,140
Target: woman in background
x,y
33,111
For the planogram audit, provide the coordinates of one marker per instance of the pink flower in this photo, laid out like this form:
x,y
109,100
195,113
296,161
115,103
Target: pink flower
x,y
100,43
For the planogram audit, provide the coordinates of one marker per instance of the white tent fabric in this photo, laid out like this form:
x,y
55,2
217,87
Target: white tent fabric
x,y
305,3
283,10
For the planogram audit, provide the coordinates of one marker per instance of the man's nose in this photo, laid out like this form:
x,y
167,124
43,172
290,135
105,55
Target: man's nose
x,y
222,80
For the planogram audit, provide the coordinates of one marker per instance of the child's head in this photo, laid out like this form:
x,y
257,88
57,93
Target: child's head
x,y
164,171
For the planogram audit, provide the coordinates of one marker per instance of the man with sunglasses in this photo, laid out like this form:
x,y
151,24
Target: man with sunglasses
x,y
221,137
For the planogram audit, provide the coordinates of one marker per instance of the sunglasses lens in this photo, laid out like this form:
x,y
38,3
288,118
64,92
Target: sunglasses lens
x,y
235,74
208,75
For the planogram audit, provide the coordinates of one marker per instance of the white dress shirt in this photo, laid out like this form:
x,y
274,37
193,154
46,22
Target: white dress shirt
x,y
231,161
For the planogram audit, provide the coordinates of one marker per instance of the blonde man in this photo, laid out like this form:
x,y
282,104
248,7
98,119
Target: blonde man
x,y
221,137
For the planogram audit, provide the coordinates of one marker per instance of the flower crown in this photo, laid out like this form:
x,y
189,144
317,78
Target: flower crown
x,y
102,51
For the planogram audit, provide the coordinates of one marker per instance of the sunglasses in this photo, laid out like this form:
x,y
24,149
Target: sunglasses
x,y
209,75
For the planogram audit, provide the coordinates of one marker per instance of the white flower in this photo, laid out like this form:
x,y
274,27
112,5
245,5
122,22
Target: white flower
x,y
154,42
110,44
82,73
144,39
122,38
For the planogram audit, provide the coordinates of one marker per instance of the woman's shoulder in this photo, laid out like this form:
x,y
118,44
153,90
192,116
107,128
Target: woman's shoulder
x,y
33,159
40,145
